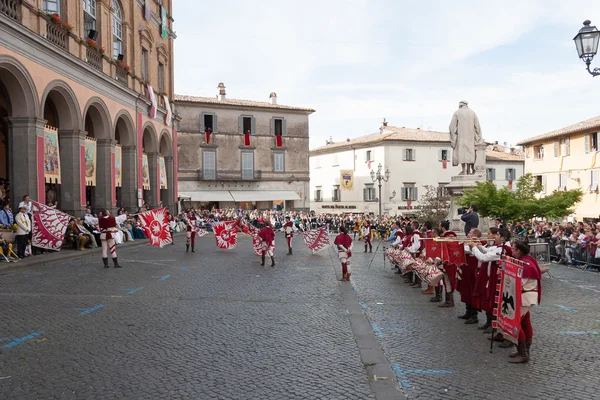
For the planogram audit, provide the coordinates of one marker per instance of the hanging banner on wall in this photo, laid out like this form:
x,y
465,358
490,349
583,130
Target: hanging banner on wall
x,y
145,172
118,158
163,173
51,155
163,22
347,179
168,114
90,161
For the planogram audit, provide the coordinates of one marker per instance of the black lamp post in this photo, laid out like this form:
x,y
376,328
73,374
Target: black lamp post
x,y
586,42
378,176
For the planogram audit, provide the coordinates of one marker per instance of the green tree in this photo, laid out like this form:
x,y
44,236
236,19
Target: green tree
x,y
435,205
522,203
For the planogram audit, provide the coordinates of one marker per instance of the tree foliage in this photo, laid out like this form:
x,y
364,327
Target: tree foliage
x,y
522,203
434,205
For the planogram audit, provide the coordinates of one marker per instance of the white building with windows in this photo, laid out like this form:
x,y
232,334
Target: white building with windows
x,y
340,172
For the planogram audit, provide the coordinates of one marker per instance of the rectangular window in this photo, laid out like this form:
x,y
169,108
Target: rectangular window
x,y
409,192
144,64
368,155
278,125
336,194
538,152
278,162
491,174
594,141
52,6
336,162
247,125
318,194
511,174
89,16
594,180
161,78
369,192
209,164
247,165
591,142
443,155
408,155
564,146
209,122
541,179
317,162
562,181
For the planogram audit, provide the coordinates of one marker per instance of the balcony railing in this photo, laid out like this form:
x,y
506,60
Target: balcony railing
x,y
11,8
93,58
122,76
57,35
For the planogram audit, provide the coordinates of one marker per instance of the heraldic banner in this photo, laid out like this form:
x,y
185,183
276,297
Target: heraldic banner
x,y
51,155
90,161
251,230
508,302
145,172
49,227
163,173
347,179
433,249
156,226
118,161
316,239
226,234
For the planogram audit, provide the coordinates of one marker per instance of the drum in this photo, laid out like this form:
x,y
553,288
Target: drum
x,y
420,267
432,275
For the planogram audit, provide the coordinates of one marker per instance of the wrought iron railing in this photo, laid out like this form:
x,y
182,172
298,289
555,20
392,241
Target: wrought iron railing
x,y
57,35
11,8
94,58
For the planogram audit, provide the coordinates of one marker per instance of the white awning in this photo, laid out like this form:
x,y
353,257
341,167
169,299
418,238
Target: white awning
x,y
264,195
208,195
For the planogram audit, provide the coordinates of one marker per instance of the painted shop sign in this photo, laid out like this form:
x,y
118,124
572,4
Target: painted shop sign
x,y
339,206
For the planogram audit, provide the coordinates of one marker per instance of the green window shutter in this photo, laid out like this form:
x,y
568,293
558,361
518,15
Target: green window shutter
x,y
215,125
272,126
241,124
253,126
283,127
201,122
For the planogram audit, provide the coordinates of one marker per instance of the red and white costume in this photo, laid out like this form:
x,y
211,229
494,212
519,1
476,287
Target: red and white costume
x,y
343,241
108,229
190,235
267,234
288,229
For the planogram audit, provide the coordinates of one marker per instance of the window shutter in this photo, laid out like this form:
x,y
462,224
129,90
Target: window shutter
x,y
594,180
440,158
568,146
201,122
404,154
415,194
507,174
403,194
555,147
283,127
366,194
253,126
315,195
414,154
544,183
586,143
272,126
241,124
215,125
493,174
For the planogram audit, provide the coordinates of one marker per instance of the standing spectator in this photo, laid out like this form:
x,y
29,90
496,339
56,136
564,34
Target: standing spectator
x,y
470,218
23,229
26,203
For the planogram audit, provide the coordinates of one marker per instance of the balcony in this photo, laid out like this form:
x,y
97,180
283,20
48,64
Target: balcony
x,y
11,8
122,76
57,35
94,58
230,176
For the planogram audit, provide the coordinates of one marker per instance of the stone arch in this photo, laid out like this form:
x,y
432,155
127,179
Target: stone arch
x,y
97,121
124,129
19,85
165,144
67,106
149,139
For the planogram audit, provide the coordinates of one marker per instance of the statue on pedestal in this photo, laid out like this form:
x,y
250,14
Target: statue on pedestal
x,y
465,134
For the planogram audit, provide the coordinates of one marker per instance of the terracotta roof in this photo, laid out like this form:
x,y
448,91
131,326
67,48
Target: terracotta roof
x,y
492,155
389,133
237,102
592,123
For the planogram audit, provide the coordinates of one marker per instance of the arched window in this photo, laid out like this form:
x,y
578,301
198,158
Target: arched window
x,y
52,6
89,16
117,29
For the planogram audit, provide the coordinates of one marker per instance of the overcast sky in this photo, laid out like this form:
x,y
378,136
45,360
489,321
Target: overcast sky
x,y
358,61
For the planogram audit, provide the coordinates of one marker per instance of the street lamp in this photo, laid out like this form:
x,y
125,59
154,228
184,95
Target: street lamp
x,y
586,42
378,176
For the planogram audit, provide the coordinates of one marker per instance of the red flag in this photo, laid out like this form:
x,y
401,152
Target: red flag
x,y
444,164
316,239
251,230
433,249
49,227
278,141
369,164
246,139
226,234
510,185
508,305
453,253
207,136
156,226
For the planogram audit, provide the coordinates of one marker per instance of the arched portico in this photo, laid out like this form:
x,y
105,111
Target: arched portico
x,y
150,148
166,151
125,162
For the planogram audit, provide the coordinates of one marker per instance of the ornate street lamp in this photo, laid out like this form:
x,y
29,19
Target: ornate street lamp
x,y
378,176
586,43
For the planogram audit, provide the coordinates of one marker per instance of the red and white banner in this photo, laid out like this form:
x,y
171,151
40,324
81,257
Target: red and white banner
x,y
226,234
251,230
453,253
316,239
156,226
49,227
433,249
508,300
201,232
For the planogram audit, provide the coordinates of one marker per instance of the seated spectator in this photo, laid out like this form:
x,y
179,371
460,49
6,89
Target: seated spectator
x,y
6,216
91,241
75,236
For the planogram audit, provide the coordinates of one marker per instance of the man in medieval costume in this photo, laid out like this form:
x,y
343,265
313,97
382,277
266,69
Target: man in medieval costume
x,y
108,229
288,229
343,242
367,234
190,235
267,235
465,133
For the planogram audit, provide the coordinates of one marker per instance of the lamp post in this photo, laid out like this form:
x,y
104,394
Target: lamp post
x,y
586,42
378,176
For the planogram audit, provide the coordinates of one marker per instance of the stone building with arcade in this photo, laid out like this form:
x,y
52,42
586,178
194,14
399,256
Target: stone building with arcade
x,y
85,117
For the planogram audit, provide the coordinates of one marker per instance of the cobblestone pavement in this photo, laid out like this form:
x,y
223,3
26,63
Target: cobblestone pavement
x,y
436,356
207,325
216,325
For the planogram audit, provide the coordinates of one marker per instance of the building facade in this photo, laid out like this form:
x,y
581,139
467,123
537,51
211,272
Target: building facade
x,y
504,165
84,102
340,172
242,154
566,159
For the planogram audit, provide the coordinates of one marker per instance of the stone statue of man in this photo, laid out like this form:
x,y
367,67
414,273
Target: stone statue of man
x,y
465,133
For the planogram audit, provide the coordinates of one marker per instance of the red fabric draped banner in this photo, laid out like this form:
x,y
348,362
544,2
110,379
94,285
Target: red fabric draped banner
x,y
226,234
316,239
156,226
49,227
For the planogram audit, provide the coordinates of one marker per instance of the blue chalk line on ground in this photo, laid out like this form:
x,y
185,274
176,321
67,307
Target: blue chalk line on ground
x,y
401,374
565,308
579,333
379,330
86,311
132,291
16,341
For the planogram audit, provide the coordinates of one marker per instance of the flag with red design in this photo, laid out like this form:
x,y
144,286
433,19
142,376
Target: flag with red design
x,y
226,234
201,232
251,230
316,239
156,226
49,227
433,249
453,253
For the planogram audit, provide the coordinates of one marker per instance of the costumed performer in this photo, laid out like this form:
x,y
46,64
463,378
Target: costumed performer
x,y
343,241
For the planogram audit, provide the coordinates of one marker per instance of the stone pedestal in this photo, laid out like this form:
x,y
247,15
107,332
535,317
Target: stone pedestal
x,y
456,188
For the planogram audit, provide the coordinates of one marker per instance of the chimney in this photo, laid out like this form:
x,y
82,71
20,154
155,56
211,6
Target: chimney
x,y
273,97
348,140
222,93
384,122
513,151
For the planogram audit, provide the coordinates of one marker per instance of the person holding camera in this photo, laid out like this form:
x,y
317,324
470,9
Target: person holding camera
x,y
470,218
